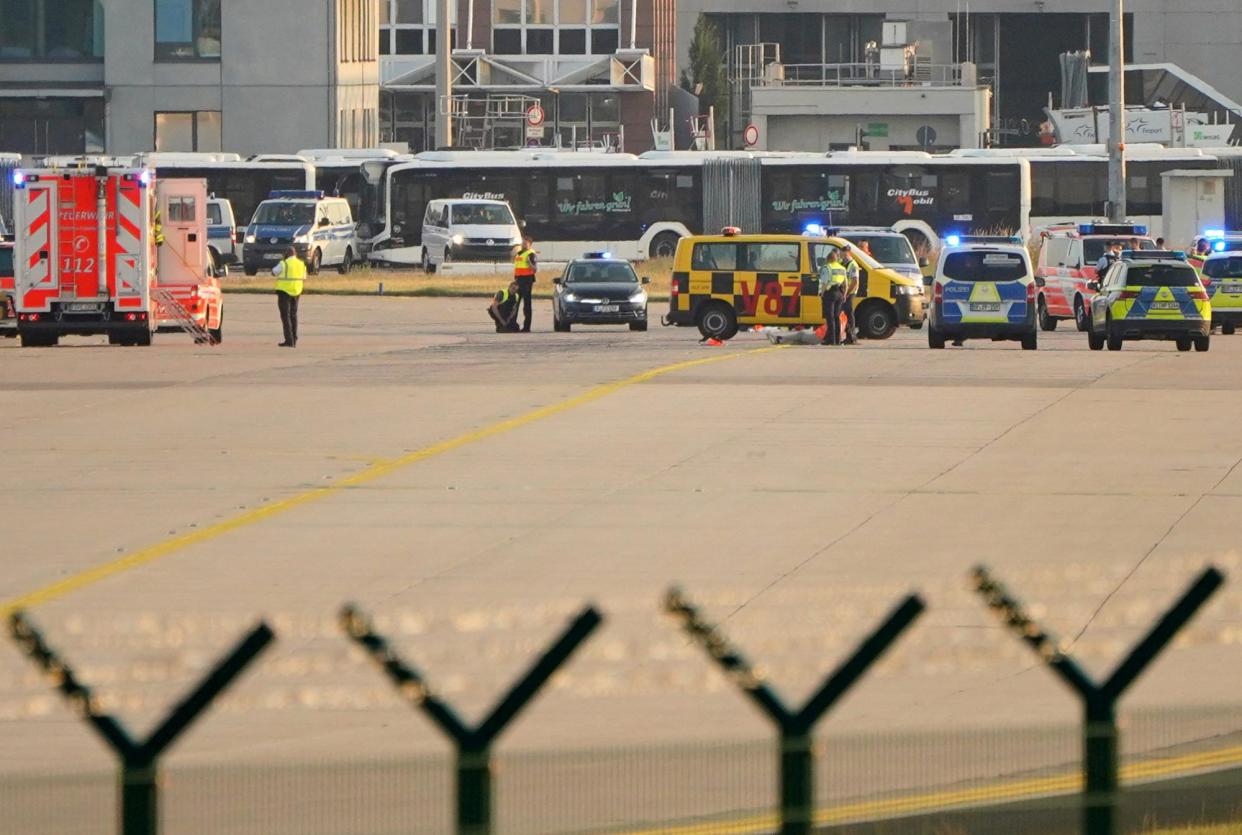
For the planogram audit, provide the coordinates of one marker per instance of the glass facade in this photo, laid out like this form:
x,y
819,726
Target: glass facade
x,y
188,131
187,29
52,125
56,30
555,27
408,27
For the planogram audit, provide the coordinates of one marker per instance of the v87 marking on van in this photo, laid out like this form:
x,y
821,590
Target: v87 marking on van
x,y
781,297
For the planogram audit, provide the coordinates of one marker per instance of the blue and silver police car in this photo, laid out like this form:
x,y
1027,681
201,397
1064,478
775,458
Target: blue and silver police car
x,y
321,228
983,291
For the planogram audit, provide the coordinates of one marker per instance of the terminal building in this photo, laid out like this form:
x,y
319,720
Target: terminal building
x,y
125,76
796,68
600,71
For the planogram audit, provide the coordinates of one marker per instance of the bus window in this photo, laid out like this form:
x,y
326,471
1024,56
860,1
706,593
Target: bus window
x,y
619,204
536,205
670,195
1002,193
1043,189
955,193
796,196
865,198
714,257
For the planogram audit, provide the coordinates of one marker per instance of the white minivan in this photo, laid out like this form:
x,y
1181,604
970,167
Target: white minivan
x,y
468,230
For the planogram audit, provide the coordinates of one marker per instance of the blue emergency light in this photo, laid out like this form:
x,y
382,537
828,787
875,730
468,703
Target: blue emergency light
x,y
989,239
19,179
294,194
1211,234
953,240
598,256
1112,229
814,230
1219,246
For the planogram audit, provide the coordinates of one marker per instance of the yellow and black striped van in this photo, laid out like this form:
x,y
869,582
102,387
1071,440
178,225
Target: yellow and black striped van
x,y
721,282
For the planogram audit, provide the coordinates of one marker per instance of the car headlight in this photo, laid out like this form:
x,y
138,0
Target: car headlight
x,y
909,290
250,237
569,297
458,239
638,298
301,239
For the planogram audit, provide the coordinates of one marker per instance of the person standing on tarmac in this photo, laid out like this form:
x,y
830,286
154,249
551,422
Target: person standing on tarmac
x,y
290,275
524,268
504,309
847,303
832,280
1107,259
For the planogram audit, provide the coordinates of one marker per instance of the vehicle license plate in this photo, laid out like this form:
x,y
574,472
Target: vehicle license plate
x,y
271,256
1231,288
83,307
1165,306
607,308
985,307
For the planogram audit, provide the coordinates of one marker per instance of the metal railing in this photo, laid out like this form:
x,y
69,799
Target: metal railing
x,y
139,783
870,74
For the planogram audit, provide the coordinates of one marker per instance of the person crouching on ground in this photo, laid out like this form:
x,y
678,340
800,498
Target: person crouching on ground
x,y
504,309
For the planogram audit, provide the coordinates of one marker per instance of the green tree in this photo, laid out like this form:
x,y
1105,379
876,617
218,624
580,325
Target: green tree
x,y
707,68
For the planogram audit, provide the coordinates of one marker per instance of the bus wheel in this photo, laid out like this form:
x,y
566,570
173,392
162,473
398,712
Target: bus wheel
x,y
1046,322
664,245
876,320
718,321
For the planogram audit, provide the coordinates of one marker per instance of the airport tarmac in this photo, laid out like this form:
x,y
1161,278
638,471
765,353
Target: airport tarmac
x,y
473,490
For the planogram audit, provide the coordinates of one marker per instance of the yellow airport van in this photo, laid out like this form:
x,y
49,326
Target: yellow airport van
x,y
726,281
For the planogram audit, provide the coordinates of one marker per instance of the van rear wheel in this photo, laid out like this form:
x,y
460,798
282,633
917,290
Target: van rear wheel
x,y
1046,322
428,267
718,321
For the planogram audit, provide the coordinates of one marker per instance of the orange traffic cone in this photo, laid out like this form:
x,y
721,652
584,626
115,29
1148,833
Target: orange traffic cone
x,y
714,342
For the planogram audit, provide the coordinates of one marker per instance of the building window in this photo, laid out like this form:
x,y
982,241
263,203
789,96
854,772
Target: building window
x,y
64,30
408,27
188,131
555,27
187,29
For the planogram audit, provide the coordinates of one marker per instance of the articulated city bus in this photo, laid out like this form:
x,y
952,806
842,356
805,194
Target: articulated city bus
x,y
1069,183
638,207
244,183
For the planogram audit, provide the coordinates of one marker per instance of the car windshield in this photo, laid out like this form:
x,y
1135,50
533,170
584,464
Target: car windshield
x,y
1161,275
6,260
285,214
1093,249
213,214
1230,267
887,249
609,272
984,266
482,214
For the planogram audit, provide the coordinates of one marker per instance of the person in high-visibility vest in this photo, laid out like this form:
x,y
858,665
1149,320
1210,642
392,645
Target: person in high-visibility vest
x,y
847,302
290,276
832,281
524,268
504,309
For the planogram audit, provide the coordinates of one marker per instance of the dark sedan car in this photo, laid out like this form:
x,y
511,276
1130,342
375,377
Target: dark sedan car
x,y
598,289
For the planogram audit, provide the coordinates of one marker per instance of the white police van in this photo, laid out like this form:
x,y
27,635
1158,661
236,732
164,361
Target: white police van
x,y
983,291
320,228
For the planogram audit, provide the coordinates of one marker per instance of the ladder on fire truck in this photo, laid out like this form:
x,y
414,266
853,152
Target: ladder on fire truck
x,y
182,317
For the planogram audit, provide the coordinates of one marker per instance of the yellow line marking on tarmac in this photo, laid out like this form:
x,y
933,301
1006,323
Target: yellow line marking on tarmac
x,y
371,473
994,793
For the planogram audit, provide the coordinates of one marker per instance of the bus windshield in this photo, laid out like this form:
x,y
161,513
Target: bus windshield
x,y
887,249
984,266
285,214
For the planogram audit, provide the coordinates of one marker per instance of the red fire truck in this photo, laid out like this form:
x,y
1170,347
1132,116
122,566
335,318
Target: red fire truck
x,y
105,250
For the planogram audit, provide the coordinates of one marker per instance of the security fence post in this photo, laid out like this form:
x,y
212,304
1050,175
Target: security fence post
x,y
796,728
1099,699
139,759
474,745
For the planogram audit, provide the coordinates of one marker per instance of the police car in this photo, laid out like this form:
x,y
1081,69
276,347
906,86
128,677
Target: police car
x,y
1217,240
1150,295
321,228
598,289
1221,274
983,291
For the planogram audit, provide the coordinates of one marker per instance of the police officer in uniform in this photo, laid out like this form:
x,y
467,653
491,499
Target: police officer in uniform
x,y
847,303
290,275
524,268
832,281
504,309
